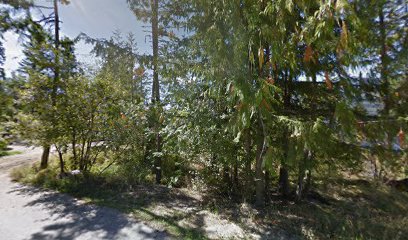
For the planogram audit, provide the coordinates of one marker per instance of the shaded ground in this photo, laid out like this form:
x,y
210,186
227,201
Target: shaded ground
x,y
340,209
351,209
32,213
28,155
178,212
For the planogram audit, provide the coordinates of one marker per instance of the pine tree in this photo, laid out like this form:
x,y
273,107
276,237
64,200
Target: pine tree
x,y
7,22
43,91
261,52
148,11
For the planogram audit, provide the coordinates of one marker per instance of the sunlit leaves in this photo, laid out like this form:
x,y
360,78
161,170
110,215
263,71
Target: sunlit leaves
x,y
260,58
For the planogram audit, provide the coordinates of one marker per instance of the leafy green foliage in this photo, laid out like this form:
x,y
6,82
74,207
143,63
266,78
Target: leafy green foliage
x,y
250,92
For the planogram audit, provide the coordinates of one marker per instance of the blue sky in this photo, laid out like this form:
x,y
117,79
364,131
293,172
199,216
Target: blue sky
x,y
97,18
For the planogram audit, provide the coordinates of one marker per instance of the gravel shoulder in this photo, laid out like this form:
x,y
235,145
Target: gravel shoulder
x,y
31,213
28,155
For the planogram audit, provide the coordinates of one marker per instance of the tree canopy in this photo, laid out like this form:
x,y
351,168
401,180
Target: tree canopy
x,y
245,97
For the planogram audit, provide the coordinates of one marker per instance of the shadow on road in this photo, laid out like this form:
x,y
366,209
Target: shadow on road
x,y
70,219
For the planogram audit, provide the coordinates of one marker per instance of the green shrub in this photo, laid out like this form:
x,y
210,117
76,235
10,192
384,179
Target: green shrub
x,y
24,174
174,170
130,170
3,144
45,177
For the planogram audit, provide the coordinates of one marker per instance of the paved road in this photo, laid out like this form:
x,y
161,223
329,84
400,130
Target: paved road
x,y
31,213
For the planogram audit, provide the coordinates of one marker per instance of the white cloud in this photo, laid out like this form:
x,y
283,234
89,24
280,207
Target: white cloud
x,y
14,52
97,18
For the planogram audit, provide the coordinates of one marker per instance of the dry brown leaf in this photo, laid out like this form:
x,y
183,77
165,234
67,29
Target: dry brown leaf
x,y
329,83
139,71
270,80
308,54
401,137
265,104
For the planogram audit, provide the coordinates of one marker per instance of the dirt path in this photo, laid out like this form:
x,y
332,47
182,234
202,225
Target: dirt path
x,y
29,155
31,213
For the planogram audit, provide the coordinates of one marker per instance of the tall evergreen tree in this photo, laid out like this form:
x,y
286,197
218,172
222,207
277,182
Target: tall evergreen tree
x,y
148,11
43,91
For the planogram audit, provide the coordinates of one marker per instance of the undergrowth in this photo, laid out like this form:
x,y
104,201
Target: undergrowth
x,y
4,153
101,190
353,209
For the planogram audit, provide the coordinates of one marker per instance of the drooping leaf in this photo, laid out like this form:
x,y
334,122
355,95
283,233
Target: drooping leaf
x,y
329,83
261,58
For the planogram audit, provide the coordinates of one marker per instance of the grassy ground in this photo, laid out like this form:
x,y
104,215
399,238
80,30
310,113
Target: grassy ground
x,y
343,209
352,209
4,153
95,191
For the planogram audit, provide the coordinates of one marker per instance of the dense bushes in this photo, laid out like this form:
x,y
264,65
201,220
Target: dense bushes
x,y
259,97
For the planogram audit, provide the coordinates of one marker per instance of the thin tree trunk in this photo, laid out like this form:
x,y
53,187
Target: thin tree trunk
x,y
235,178
46,149
299,189
301,176
61,161
155,39
74,152
267,184
87,154
284,181
226,176
267,174
283,171
56,30
384,61
81,160
44,157
56,43
384,70
156,85
308,184
147,151
248,170
158,160
373,162
259,175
